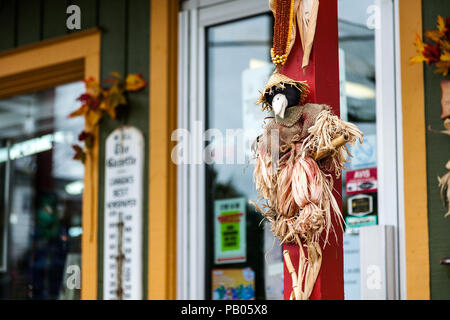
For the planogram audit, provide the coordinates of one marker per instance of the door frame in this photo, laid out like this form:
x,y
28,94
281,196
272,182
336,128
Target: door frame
x,y
414,263
388,165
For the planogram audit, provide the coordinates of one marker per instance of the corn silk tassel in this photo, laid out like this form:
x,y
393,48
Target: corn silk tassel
x,y
297,197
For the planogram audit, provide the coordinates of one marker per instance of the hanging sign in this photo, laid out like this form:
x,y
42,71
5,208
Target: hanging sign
x,y
361,181
230,231
122,265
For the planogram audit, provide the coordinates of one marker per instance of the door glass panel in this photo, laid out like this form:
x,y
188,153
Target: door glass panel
x,y
41,195
358,105
238,64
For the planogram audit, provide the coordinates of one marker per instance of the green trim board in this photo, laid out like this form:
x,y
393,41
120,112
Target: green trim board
x,y
112,21
139,62
438,153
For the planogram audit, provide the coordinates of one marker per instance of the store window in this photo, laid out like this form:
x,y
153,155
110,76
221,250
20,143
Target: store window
x,y
229,55
357,57
358,89
243,260
41,200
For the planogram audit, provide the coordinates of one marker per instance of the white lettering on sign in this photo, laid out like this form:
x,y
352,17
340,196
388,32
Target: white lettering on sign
x,y
122,266
362,174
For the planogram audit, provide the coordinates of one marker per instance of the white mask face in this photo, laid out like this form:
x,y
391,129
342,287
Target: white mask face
x,y
279,105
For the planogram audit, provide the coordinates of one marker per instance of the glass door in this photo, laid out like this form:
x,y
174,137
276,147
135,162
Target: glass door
x,y
237,66
224,249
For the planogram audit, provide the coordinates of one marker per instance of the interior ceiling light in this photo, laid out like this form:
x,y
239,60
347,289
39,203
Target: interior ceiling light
x,y
75,188
359,91
256,63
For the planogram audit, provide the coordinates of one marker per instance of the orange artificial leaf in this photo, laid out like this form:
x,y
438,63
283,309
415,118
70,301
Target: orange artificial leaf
x,y
433,35
111,80
116,75
81,111
438,51
445,45
419,44
79,153
442,67
418,59
92,87
108,108
113,98
441,24
93,117
87,137
445,56
135,82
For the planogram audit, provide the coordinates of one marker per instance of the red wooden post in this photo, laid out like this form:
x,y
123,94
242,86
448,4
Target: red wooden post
x,y
322,75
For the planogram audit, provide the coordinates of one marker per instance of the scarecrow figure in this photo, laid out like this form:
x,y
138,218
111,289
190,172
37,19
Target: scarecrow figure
x,y
295,157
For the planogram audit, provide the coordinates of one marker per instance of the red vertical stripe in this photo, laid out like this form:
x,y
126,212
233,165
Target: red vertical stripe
x,y
322,75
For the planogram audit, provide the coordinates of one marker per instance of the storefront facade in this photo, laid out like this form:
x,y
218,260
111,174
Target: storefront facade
x,y
205,62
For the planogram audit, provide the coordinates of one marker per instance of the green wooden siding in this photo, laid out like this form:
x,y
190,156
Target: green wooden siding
x,y
438,153
89,13
125,49
7,24
54,18
29,21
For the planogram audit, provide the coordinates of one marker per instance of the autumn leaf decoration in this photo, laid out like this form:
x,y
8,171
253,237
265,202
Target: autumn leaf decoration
x,y
98,102
438,50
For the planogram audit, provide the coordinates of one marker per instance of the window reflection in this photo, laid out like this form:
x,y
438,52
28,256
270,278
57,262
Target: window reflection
x,y
238,64
358,105
41,194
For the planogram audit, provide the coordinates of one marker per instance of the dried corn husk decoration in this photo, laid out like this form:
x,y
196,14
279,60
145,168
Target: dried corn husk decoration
x,y
288,15
284,29
307,20
296,192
